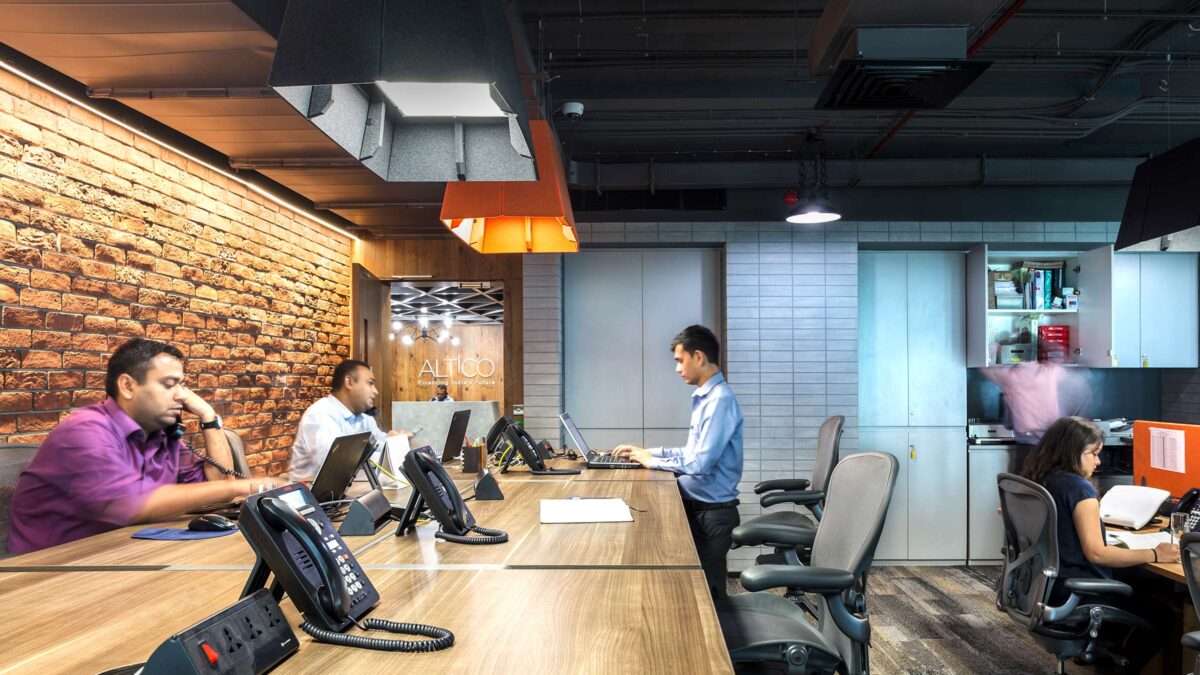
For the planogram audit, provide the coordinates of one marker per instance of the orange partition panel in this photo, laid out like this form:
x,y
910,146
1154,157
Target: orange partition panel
x,y
1174,482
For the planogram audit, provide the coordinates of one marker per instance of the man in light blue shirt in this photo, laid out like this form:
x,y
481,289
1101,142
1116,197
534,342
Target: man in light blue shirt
x,y
710,465
344,412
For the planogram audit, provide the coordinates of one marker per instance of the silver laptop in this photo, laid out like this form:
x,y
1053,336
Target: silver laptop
x,y
595,460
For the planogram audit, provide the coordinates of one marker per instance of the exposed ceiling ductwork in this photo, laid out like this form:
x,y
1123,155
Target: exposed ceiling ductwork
x,y
416,91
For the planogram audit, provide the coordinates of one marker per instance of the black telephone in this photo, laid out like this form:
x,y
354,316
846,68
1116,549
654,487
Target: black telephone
x,y
524,443
176,431
1190,502
495,441
434,489
294,539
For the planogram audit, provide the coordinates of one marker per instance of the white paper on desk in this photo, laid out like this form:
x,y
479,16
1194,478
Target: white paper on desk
x,y
585,511
1167,449
1141,541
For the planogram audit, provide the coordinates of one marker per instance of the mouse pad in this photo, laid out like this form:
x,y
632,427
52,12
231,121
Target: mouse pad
x,y
170,534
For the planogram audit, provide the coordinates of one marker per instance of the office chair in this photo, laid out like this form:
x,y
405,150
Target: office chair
x,y
786,530
14,458
1189,556
769,628
238,450
1070,630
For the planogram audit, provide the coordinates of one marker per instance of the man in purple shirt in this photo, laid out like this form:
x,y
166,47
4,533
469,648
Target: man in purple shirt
x,y
114,463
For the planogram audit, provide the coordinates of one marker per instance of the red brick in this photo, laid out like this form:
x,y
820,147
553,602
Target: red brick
x,y
116,310
24,318
78,304
68,322
44,299
52,400
10,358
34,439
24,379
67,380
8,424
39,421
16,401
110,254
8,295
20,255
130,328
50,340
82,360
52,281
89,342
42,359
99,324
85,286
122,292
18,276
95,380
14,337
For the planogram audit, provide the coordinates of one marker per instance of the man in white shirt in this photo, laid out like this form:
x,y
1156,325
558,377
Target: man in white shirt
x,y
342,413
442,394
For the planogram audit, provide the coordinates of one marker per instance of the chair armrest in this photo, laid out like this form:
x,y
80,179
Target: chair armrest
x,y
1086,586
792,497
1191,640
781,484
811,579
773,534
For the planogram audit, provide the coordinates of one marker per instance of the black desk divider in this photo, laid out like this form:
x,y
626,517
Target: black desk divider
x,y
486,488
368,514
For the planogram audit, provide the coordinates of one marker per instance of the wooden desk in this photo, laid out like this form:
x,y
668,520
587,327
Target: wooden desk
x,y
504,621
1172,571
657,537
586,474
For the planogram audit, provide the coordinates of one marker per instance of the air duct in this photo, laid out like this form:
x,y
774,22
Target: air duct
x,y
416,90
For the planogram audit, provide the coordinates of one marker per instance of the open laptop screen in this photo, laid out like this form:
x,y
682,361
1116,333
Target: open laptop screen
x,y
337,471
456,435
576,437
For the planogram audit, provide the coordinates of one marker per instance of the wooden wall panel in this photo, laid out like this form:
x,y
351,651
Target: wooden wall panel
x,y
451,260
472,371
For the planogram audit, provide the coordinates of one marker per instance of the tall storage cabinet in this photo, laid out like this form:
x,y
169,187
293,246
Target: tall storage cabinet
x,y
912,396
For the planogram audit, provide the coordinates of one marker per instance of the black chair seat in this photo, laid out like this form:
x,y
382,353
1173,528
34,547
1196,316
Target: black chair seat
x,y
776,529
751,620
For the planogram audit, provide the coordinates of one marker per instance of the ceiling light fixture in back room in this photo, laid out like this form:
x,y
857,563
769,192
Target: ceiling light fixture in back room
x,y
809,203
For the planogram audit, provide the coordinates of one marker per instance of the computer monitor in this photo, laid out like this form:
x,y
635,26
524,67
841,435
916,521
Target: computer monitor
x,y
337,472
456,435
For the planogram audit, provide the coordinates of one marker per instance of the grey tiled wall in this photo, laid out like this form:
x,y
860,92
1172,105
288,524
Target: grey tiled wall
x,y
1181,395
791,324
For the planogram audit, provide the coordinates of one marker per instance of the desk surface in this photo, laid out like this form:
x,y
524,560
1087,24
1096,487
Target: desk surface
x,y
657,537
1172,571
586,474
523,621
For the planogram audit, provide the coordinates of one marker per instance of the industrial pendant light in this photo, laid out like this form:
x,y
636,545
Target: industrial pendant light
x,y
810,202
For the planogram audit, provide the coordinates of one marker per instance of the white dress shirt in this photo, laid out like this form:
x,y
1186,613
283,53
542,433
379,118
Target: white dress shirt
x,y
325,421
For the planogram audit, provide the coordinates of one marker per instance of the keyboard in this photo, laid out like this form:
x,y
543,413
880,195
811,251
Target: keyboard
x,y
612,461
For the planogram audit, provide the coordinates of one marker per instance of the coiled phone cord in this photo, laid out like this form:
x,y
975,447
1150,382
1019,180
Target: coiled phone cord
x,y
441,638
490,536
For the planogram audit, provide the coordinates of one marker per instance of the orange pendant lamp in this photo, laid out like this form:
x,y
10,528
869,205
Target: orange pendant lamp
x,y
517,216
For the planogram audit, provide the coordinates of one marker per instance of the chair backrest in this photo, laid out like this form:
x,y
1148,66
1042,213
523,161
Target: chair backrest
x,y
856,505
1189,556
1030,548
238,450
14,458
829,440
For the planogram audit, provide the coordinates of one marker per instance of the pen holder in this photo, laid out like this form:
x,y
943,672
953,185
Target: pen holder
x,y
473,459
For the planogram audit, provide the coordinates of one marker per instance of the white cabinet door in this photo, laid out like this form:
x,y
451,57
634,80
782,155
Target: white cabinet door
x,y
882,339
937,340
937,505
977,307
985,528
893,544
1127,306
1168,310
1096,307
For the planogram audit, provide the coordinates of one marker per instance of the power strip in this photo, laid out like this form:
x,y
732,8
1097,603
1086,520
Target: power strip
x,y
251,636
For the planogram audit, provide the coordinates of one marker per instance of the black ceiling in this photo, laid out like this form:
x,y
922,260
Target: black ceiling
x,y
680,81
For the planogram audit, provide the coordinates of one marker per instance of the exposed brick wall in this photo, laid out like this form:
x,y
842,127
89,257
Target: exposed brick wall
x,y
106,236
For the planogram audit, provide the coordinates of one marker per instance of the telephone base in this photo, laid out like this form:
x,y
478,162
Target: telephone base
x,y
487,489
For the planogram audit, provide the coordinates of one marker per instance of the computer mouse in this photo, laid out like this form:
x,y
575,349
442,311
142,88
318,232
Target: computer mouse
x,y
211,522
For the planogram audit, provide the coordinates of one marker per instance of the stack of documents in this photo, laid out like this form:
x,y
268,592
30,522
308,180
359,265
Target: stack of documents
x,y
1138,541
585,510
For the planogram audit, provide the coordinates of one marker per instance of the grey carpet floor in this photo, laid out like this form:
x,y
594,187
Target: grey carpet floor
x,y
943,620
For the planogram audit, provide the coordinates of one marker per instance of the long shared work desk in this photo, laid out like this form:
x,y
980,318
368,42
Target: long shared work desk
x,y
595,597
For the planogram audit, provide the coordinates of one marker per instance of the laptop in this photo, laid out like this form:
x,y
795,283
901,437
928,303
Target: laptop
x,y
595,460
345,458
456,435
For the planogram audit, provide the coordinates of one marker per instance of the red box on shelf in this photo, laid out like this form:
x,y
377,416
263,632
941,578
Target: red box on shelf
x,y
1054,343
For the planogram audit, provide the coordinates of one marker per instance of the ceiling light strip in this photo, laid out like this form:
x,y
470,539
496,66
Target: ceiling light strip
x,y
299,211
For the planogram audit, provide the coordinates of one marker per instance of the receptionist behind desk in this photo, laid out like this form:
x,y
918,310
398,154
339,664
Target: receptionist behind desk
x,y
114,463
710,465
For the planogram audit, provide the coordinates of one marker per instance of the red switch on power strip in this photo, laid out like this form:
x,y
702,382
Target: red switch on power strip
x,y
209,653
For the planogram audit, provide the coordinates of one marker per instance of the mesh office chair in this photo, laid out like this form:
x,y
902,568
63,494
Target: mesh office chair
x,y
1070,630
787,530
1189,555
769,628
238,450
14,458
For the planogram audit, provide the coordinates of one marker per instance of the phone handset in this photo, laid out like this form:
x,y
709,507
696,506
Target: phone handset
x,y
527,448
176,432
434,489
291,537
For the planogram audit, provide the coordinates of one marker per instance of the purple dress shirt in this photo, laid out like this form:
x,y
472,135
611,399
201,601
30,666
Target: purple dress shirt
x,y
92,474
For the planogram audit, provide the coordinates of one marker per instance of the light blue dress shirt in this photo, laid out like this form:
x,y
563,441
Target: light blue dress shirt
x,y
710,466
325,421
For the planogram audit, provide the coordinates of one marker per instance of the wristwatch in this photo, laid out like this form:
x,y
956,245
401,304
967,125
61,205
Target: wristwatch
x,y
215,424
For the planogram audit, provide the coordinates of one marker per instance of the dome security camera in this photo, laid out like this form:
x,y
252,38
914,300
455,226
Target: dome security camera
x,y
573,110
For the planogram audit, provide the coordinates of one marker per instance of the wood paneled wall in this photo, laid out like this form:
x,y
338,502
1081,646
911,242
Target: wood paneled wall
x,y
451,260
472,371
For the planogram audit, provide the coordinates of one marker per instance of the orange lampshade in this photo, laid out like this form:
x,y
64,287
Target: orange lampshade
x,y
517,216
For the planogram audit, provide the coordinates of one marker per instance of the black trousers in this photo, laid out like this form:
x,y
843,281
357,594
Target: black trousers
x,y
712,532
